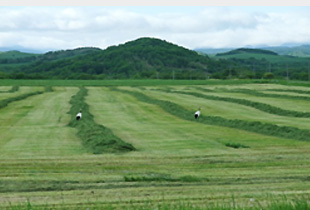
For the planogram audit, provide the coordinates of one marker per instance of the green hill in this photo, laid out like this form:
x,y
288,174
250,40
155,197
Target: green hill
x,y
298,51
260,61
15,54
142,58
62,54
15,61
260,54
247,51
10,60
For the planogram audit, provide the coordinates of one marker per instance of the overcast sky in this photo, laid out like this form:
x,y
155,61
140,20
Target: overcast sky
x,y
57,28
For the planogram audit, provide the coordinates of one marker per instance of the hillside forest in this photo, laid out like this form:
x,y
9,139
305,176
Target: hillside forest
x,y
150,58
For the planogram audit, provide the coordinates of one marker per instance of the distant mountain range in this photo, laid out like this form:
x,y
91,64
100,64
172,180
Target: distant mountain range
x,y
298,51
22,49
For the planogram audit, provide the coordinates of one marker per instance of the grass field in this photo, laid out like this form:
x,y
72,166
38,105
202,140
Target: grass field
x,y
235,156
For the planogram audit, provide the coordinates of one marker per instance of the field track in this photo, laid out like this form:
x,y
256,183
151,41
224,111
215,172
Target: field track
x,y
176,160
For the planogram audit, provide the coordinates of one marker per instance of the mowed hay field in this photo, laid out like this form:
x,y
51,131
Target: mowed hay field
x,y
249,149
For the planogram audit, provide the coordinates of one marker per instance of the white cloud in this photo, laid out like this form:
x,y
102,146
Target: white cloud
x,y
54,28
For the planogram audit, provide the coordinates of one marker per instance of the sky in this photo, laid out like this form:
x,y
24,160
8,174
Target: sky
x,y
50,28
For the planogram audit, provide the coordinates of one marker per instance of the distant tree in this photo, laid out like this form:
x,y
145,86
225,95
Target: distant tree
x,y
3,75
301,76
268,75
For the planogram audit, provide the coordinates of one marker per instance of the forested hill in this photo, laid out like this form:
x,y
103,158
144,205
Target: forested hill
x,y
142,58
14,54
247,51
62,54
261,63
298,51
13,60
150,58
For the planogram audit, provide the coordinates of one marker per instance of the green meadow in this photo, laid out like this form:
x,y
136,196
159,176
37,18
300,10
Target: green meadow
x,y
138,145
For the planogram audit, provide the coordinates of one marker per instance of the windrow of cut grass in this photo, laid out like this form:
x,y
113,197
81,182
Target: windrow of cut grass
x,y
96,138
230,110
298,203
255,126
42,185
156,177
236,145
5,102
289,91
270,95
257,105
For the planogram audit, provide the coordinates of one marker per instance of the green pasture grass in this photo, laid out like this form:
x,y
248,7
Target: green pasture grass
x,y
267,86
260,106
224,109
37,126
97,138
272,95
154,82
118,109
149,126
299,105
283,203
235,108
230,110
254,126
145,126
5,89
178,164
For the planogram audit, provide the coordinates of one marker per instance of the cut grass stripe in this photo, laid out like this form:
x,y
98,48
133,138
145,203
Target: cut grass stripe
x,y
289,91
257,105
257,93
5,102
256,127
96,138
12,90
